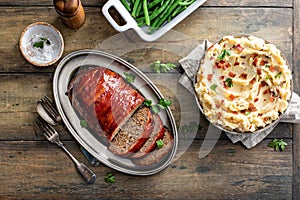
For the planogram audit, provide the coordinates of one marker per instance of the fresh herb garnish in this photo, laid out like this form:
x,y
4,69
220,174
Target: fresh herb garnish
x,y
278,75
213,88
223,54
229,82
277,144
267,65
148,102
190,128
40,43
159,143
247,113
129,77
158,66
83,123
267,77
162,104
109,178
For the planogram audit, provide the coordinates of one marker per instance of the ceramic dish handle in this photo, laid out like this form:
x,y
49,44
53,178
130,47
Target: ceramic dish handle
x,y
130,23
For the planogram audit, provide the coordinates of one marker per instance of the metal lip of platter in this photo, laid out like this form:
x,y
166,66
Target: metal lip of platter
x,y
91,141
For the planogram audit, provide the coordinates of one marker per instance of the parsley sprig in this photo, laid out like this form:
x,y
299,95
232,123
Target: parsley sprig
x,y
213,88
129,77
160,143
223,54
158,66
109,178
162,104
278,144
40,43
228,82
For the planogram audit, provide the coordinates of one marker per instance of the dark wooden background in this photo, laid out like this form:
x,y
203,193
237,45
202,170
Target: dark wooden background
x,y
32,168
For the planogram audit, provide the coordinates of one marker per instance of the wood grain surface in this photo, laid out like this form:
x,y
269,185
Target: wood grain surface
x,y
33,168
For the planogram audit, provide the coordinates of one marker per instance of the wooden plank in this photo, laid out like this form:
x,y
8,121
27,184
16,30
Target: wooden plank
x,y
244,3
204,23
296,128
226,173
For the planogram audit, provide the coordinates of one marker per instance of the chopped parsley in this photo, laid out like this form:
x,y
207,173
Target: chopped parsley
x,y
223,54
109,178
267,77
129,77
40,43
247,113
278,75
162,104
228,82
148,102
159,143
267,65
213,88
277,144
83,123
158,66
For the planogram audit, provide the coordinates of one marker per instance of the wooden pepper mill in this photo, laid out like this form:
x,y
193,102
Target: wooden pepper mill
x,y
71,12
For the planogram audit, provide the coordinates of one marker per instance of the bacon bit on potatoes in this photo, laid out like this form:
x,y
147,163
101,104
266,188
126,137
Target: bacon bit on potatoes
x,y
243,75
209,77
258,71
263,62
272,99
272,68
255,61
231,97
231,74
222,65
252,108
239,48
256,99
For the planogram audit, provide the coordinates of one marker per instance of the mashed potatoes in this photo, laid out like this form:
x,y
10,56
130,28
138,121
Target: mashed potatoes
x,y
243,83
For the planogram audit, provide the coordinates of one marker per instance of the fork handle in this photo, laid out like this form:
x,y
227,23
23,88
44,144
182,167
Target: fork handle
x,y
85,172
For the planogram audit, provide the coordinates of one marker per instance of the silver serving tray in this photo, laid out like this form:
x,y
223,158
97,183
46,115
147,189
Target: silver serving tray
x,y
90,140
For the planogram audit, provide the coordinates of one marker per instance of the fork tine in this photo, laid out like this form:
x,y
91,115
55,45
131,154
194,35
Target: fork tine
x,y
50,105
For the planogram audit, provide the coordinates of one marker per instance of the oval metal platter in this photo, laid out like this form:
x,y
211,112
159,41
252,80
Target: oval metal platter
x,y
90,140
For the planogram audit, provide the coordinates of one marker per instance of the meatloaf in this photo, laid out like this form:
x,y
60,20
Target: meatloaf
x,y
134,133
103,98
158,153
113,107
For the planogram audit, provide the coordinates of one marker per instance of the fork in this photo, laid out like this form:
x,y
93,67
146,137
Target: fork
x,y
52,135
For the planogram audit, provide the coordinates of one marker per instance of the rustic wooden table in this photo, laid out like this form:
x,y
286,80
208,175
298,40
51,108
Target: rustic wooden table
x,y
32,168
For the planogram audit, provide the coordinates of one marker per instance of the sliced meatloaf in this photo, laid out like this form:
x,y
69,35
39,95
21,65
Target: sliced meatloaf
x,y
133,134
158,154
156,134
104,99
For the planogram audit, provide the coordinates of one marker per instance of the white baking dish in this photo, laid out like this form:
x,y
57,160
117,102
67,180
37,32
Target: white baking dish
x,y
143,31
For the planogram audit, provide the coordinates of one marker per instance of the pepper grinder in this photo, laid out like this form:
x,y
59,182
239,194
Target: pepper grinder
x,y
71,12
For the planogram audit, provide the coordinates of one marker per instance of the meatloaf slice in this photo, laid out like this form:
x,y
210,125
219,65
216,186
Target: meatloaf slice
x,y
156,134
133,134
102,96
158,154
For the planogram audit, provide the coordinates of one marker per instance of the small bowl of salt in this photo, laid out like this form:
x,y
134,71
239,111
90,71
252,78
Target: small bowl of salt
x,y
41,44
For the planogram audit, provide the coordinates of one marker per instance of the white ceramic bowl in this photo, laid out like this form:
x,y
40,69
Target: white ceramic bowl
x,y
41,44
143,31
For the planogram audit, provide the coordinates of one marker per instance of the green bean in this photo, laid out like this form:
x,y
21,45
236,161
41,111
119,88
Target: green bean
x,y
186,3
145,9
126,5
161,9
154,3
136,4
139,9
162,20
166,10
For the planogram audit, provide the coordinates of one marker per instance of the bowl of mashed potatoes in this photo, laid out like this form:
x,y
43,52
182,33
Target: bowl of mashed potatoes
x,y
243,84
